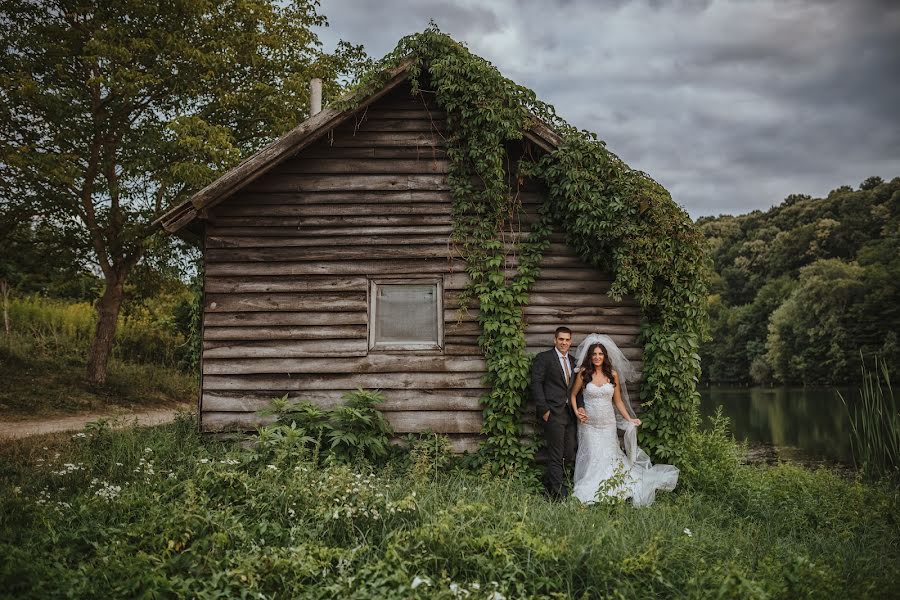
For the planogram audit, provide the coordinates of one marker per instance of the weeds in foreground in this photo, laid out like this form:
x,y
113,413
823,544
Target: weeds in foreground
x,y
163,512
875,425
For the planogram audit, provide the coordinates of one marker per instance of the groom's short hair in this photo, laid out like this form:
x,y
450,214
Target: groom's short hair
x,y
560,330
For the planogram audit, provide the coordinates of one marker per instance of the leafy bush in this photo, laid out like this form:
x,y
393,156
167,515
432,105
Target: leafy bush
x,y
162,512
711,460
353,432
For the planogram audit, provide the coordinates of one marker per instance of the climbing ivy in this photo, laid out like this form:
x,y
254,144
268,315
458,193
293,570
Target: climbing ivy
x,y
616,218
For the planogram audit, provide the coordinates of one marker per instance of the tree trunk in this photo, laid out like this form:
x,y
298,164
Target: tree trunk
x,y
105,334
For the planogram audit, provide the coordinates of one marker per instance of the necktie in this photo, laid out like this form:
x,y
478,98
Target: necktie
x,y
566,369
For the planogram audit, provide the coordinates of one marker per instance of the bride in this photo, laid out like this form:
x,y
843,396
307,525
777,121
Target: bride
x,y
600,465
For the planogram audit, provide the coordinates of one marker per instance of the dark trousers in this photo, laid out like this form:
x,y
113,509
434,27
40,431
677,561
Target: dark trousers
x,y
561,440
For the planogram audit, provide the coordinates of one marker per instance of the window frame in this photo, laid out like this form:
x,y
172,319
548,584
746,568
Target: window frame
x,y
436,347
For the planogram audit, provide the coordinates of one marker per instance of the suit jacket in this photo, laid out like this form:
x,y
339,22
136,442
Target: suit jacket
x,y
548,386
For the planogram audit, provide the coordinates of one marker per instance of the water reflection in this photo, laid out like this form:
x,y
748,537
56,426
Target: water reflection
x,y
812,420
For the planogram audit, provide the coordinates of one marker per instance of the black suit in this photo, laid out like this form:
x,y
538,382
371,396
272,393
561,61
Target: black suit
x,y
550,392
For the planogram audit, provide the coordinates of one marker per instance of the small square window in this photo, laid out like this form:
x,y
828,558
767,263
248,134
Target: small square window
x,y
406,315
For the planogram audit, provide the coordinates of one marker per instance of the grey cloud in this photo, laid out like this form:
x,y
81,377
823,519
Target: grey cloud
x,y
732,105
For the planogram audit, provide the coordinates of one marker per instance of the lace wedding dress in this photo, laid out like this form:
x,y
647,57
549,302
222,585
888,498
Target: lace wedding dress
x,y
600,465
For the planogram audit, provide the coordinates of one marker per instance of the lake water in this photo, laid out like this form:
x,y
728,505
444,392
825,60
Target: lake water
x,y
803,424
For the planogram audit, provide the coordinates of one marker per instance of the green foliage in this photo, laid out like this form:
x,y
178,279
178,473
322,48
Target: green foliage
x,y
113,111
163,512
875,423
805,289
62,330
353,432
616,218
429,454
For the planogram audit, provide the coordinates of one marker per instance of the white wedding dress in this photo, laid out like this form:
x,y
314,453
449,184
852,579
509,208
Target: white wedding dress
x,y
600,458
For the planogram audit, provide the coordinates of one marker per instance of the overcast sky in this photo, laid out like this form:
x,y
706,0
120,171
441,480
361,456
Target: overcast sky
x,y
731,104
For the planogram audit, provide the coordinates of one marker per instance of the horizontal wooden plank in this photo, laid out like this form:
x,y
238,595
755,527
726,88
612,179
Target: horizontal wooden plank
x,y
350,252
215,422
297,302
319,232
377,139
401,422
562,300
579,329
552,274
373,166
455,421
373,363
272,319
285,283
336,220
285,348
451,399
319,210
278,182
414,152
340,267
310,332
593,323
572,285
323,242
632,354
363,124
389,381
386,111
623,341
570,312
339,198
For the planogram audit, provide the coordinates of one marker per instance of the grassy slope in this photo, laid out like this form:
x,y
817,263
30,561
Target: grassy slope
x,y
42,386
194,518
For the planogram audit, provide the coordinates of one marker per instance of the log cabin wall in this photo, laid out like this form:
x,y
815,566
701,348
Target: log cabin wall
x,y
287,267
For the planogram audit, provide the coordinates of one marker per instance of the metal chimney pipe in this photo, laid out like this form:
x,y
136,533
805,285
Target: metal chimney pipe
x,y
315,96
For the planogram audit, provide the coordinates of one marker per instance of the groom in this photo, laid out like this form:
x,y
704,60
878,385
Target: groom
x,y
551,377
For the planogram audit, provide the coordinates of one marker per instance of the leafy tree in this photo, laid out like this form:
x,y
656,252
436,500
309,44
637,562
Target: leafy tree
x,y
111,111
810,337
767,296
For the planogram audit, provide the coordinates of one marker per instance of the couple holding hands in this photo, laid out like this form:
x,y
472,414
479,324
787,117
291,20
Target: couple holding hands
x,y
581,402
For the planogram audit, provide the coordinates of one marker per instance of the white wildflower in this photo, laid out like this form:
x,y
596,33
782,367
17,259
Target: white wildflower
x,y
495,595
148,450
688,532
204,460
79,435
118,464
417,581
272,467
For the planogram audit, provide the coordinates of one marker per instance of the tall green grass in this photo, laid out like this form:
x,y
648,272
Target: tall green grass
x,y
42,360
875,425
49,327
164,513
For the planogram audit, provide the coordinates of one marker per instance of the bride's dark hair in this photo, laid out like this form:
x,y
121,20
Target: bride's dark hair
x,y
587,367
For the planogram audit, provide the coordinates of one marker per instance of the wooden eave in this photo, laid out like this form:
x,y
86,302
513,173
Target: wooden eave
x,y
266,159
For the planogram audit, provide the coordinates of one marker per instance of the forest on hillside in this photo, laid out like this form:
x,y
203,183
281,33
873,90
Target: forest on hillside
x,y
805,292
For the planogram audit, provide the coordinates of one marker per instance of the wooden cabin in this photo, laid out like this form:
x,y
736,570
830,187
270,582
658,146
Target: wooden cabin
x,y
328,267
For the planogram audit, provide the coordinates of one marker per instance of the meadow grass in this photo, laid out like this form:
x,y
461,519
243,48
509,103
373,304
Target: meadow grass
x,y
163,512
43,357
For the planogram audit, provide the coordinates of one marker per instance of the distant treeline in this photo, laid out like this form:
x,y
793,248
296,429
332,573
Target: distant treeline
x,y
806,290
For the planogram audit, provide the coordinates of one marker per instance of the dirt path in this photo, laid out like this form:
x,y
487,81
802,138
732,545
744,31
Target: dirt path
x,y
25,428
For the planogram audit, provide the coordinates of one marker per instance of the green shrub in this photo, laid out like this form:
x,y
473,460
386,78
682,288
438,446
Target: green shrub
x,y
163,512
711,460
356,431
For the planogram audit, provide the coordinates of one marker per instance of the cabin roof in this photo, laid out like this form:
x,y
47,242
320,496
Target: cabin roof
x,y
176,219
